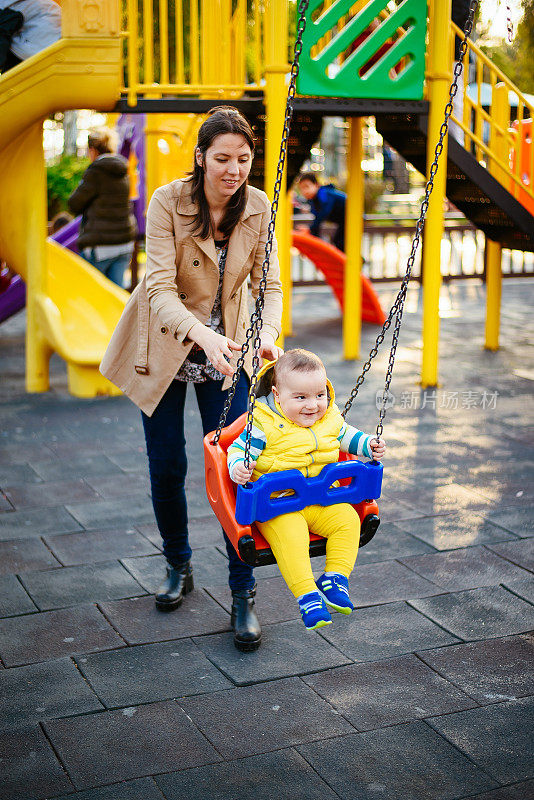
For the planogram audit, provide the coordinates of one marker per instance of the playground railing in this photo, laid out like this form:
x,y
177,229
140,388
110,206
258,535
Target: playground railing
x,y
482,122
211,48
387,242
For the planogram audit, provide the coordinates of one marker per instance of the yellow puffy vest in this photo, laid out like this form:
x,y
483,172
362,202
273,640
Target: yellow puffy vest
x,y
290,446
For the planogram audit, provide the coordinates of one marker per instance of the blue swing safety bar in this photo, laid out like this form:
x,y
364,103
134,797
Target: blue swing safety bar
x,y
254,501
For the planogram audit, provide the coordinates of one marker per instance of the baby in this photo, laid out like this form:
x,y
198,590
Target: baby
x,y
297,425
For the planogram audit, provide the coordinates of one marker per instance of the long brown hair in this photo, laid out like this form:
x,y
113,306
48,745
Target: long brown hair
x,y
222,119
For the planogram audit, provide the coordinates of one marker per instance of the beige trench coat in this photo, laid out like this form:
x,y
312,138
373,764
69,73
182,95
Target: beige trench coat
x,y
150,341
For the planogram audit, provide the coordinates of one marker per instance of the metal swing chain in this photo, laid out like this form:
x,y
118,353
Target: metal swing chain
x,y
256,321
509,23
398,306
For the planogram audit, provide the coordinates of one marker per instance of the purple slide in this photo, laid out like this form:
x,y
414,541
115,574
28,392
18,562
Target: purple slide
x,y
130,129
13,297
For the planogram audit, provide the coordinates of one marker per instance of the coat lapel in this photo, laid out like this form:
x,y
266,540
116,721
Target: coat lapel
x,y
242,242
187,208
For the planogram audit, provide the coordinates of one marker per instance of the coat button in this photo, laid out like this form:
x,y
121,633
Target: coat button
x,y
164,329
183,296
196,262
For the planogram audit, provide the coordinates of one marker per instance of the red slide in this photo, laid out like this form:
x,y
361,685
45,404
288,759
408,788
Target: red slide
x,y
331,262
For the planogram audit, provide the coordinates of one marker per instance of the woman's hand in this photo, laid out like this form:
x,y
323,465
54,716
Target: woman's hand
x,y
269,351
378,448
217,347
242,474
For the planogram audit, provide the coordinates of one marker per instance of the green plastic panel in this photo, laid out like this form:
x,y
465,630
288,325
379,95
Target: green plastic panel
x,y
385,64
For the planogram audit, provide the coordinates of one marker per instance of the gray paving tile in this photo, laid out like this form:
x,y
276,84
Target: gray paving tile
x,y
498,738
81,466
17,473
449,531
269,716
36,522
150,531
139,622
197,502
520,552
130,459
376,632
523,588
387,692
149,673
21,453
18,555
391,542
94,546
517,791
40,495
451,497
403,762
52,634
287,649
140,789
30,767
110,486
274,601
383,583
88,583
5,504
466,568
13,599
490,671
114,513
92,447
43,691
391,509
209,566
517,520
282,774
479,613
132,743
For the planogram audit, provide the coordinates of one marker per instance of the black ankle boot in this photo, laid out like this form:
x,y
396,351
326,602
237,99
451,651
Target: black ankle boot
x,y
178,582
246,625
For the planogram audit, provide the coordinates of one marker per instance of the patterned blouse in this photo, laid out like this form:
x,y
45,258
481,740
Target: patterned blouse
x,y
196,367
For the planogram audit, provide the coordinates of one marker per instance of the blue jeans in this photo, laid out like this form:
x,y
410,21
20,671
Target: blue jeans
x,y
165,443
112,268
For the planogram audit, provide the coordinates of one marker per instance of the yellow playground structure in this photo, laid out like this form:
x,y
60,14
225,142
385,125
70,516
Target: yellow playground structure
x,y
167,58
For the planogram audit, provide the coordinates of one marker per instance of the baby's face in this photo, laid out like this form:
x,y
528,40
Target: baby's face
x,y
302,396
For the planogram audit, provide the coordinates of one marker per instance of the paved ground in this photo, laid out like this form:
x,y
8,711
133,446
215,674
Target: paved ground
x,y
422,694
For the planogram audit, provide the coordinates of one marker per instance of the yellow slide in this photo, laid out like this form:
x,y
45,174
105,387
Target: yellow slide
x,y
71,308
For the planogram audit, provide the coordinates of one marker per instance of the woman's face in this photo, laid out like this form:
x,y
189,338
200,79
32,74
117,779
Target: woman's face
x,y
226,164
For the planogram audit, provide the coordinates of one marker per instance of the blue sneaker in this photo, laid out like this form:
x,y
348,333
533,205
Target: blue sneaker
x,y
314,611
335,590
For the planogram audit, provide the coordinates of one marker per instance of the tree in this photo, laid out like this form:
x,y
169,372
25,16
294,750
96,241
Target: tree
x,y
516,59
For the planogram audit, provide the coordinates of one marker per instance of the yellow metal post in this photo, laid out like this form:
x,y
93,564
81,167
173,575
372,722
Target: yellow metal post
x,y
493,294
31,207
352,287
438,77
500,112
287,281
275,48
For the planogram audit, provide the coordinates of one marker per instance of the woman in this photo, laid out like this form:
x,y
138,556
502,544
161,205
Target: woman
x,y
108,228
186,323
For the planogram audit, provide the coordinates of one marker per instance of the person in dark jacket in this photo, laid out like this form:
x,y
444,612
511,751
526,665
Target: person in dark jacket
x,y
327,203
108,228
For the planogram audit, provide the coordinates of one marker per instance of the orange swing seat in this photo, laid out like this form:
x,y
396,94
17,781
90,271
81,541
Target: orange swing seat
x,y
248,542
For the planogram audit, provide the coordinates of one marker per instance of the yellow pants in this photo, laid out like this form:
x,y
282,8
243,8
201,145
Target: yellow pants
x,y
288,536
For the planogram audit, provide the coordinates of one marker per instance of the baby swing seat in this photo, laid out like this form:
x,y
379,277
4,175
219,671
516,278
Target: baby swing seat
x,y
238,510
